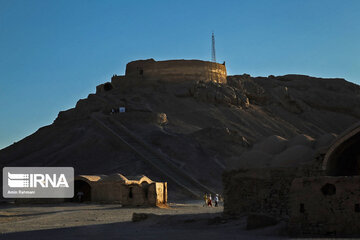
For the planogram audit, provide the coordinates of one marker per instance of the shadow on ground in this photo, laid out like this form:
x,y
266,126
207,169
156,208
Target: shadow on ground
x,y
186,226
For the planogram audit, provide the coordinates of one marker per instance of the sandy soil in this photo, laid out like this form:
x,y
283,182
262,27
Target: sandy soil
x,y
92,221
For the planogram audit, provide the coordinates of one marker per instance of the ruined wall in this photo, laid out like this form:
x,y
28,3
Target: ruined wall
x,y
325,206
118,81
260,190
176,70
104,87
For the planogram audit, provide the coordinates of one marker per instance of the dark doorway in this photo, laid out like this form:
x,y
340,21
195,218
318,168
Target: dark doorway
x,y
130,192
357,207
302,208
82,187
146,191
345,161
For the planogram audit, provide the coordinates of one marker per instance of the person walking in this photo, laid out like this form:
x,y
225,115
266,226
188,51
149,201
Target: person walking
x,y
205,200
216,200
209,201
79,196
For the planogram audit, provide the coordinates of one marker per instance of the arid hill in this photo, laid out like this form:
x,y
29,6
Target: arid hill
x,y
187,133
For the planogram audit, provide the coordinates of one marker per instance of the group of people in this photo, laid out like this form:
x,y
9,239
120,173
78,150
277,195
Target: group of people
x,y
208,200
117,110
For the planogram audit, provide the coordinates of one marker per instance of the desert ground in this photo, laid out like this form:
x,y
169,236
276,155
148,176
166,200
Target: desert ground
x,y
188,220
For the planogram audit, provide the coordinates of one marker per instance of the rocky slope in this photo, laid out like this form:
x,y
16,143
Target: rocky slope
x,y
198,129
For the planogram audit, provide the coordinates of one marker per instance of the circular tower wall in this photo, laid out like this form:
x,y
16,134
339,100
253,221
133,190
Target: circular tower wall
x,y
176,70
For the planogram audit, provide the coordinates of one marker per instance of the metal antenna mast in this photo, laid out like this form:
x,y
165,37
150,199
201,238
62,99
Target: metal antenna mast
x,y
213,55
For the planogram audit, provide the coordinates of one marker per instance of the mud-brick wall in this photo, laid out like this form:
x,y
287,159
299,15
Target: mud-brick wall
x,y
325,206
107,192
260,190
161,192
176,70
128,195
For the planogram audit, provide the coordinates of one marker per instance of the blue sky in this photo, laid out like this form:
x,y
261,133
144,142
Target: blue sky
x,y
54,52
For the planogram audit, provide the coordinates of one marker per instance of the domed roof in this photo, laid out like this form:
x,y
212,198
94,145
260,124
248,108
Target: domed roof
x,y
88,178
116,177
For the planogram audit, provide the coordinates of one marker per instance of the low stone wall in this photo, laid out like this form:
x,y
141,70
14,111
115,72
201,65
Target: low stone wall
x,y
176,70
263,191
325,206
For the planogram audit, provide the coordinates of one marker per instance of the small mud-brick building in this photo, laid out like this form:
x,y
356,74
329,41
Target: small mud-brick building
x,y
116,188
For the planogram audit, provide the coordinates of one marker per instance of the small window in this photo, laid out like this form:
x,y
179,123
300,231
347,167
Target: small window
x,y
302,208
328,189
130,192
357,207
146,190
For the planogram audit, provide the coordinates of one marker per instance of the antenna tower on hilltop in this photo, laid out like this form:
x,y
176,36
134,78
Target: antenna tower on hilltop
x,y
213,55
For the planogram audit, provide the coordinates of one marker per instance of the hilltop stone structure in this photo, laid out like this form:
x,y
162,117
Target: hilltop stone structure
x,y
317,200
116,188
169,71
177,70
